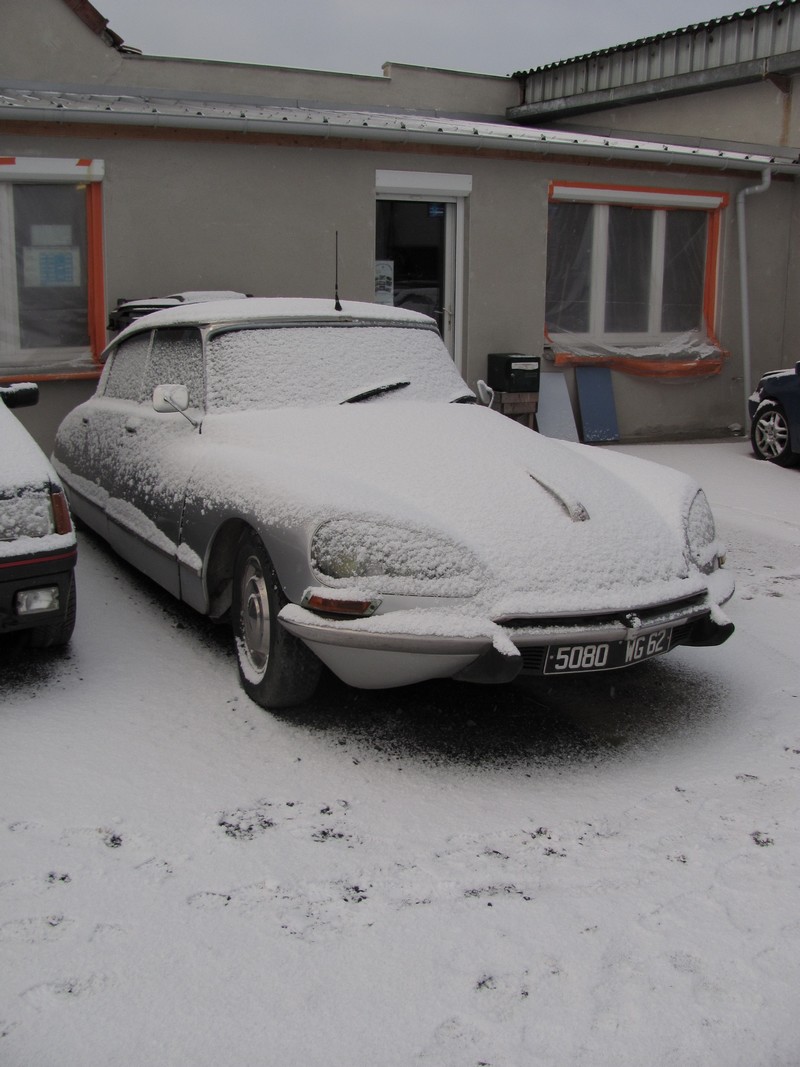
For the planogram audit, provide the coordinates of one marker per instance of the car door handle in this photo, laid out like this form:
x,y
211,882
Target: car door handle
x,y
132,425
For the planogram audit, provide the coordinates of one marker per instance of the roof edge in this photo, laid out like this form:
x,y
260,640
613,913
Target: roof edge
x,y
91,18
697,27
368,125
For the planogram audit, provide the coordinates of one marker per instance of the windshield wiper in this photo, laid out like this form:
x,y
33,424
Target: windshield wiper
x,y
376,390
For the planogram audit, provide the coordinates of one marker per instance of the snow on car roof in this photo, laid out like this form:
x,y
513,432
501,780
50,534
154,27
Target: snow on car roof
x,y
191,297
275,309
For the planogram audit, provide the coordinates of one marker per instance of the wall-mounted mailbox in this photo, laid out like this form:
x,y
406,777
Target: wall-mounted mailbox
x,y
512,372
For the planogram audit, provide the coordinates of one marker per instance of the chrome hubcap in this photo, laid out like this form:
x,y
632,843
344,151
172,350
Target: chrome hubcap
x,y
255,615
772,434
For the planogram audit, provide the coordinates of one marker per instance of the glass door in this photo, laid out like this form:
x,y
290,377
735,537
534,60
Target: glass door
x,y
415,259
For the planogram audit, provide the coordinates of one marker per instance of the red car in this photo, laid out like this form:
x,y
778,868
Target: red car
x,y
38,548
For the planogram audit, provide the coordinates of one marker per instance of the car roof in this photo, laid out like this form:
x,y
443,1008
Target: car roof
x,y
274,310
191,297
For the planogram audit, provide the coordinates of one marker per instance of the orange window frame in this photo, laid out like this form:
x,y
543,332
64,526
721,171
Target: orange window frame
x,y
656,198
96,288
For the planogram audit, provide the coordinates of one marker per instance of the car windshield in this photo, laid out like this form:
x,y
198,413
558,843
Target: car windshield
x,y
304,366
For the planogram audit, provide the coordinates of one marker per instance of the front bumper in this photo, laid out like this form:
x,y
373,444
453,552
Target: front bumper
x,y
403,647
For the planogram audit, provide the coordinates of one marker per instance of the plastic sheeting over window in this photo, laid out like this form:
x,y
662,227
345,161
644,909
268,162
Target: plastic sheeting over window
x,y
52,288
630,283
51,299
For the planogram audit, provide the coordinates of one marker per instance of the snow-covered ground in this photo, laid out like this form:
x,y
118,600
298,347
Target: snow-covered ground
x,y
602,872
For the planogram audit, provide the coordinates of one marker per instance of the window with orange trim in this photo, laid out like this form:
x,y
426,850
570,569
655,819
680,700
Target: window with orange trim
x,y
630,267
52,304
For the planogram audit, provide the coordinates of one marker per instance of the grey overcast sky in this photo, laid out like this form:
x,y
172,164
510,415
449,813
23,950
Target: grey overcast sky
x,y
358,36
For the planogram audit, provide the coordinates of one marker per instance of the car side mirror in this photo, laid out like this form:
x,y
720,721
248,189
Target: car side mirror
x,y
20,395
170,398
486,393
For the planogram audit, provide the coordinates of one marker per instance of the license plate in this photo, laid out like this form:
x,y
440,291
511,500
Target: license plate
x,y
607,655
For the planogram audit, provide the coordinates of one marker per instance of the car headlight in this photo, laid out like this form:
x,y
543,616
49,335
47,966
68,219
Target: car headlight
x,y
701,534
392,558
28,513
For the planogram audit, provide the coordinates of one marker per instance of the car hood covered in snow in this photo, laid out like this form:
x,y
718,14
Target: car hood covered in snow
x,y
22,462
552,526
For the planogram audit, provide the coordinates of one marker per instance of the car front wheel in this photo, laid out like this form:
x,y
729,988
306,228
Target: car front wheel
x,y
769,435
276,669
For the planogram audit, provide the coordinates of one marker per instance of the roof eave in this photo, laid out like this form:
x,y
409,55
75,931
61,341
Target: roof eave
x,y
397,129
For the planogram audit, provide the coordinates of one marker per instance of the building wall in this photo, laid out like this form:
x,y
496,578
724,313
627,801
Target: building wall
x,y
755,113
790,351
46,40
261,217
207,210
758,113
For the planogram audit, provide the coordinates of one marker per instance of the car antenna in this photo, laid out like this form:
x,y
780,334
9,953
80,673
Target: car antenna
x,y
337,305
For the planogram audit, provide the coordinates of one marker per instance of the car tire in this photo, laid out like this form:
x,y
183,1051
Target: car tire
x,y
769,435
276,669
57,633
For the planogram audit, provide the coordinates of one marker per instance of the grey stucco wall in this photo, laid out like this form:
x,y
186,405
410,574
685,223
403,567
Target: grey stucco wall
x,y
756,113
45,39
260,217
790,351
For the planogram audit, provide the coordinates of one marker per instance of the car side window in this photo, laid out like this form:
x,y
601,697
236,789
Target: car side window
x,y
176,357
124,374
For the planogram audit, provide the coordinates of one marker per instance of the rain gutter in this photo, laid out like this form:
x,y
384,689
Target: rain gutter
x,y
368,125
744,285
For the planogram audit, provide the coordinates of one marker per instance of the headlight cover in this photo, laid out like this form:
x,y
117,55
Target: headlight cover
x,y
701,534
29,513
392,558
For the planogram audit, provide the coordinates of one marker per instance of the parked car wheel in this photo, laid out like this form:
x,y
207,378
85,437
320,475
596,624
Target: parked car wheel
x,y
59,632
276,669
769,435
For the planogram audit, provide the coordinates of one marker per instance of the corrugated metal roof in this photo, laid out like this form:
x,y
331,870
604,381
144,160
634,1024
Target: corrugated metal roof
x,y
733,49
270,118
764,44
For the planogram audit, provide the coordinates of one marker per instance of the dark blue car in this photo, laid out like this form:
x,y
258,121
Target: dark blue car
x,y
775,417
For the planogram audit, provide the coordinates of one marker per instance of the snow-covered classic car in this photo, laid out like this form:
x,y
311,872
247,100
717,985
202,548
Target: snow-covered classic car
x,y
326,480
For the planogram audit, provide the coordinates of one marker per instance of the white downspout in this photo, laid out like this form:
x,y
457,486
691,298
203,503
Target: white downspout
x,y
744,289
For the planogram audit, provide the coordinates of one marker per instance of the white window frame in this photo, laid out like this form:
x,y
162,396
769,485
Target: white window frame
x,y
451,190
658,201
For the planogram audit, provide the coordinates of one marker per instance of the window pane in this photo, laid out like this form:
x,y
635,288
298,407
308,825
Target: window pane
x,y
684,270
176,358
124,375
630,238
50,234
569,264
411,236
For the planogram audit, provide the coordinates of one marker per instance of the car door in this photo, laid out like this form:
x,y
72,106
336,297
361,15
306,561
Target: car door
x,y
148,455
87,441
